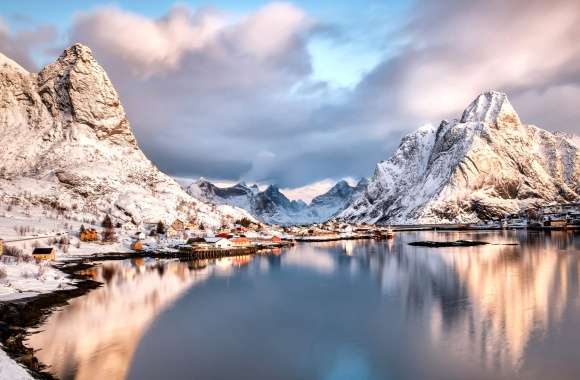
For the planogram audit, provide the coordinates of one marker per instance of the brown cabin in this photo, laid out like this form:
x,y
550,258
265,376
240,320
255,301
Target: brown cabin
x,y
88,235
178,225
44,254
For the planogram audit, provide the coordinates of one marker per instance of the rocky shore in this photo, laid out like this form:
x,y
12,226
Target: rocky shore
x,y
19,316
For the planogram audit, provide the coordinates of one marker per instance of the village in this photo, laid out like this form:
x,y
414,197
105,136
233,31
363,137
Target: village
x,y
181,238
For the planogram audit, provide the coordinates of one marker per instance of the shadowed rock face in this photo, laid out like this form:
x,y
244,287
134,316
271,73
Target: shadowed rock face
x,y
486,164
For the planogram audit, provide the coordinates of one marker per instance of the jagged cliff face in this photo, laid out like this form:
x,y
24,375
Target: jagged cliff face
x,y
271,206
486,164
67,144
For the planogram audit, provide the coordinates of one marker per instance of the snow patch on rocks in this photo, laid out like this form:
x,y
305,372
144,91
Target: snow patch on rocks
x,y
486,164
67,145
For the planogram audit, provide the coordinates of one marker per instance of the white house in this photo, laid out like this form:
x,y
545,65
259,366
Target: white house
x,y
251,234
218,242
346,230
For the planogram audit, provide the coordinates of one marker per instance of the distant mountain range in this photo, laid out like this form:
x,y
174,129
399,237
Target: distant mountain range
x,y
271,206
485,164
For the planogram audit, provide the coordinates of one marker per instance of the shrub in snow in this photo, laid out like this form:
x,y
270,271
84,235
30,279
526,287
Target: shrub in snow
x,y
109,235
13,251
40,274
3,273
161,228
107,222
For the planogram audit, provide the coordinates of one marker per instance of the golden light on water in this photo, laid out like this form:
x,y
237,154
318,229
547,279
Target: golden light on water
x,y
96,336
466,309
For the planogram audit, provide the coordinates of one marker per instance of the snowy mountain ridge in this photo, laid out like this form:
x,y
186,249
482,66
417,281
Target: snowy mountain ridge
x,y
67,147
485,164
272,206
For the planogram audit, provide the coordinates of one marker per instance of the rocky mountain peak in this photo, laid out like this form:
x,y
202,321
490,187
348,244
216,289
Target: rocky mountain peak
x,y
491,107
341,188
484,165
67,145
77,52
362,182
273,189
242,184
76,89
8,64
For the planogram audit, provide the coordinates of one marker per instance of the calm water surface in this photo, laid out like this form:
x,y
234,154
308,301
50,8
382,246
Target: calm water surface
x,y
341,310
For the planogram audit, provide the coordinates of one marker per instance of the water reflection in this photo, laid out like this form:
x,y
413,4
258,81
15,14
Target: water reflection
x,y
350,309
95,336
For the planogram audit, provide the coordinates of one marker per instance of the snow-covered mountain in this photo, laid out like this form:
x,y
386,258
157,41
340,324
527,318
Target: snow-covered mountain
x,y
485,164
271,206
67,146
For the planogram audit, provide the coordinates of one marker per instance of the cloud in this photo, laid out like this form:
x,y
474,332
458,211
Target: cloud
x,y
234,96
19,45
215,94
457,49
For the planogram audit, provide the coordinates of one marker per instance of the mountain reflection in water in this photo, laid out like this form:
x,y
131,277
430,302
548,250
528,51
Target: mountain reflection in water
x,y
340,310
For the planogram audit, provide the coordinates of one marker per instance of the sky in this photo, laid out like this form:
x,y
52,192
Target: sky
x,y
302,94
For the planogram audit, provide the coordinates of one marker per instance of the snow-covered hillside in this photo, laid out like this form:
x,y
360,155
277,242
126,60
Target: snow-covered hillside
x,y
485,164
67,147
271,206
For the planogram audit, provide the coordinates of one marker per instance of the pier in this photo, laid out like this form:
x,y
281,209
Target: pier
x,y
192,253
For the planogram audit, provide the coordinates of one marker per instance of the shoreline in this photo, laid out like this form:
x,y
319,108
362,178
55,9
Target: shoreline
x,y
18,316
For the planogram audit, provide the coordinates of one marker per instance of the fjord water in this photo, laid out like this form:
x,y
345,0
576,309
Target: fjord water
x,y
342,310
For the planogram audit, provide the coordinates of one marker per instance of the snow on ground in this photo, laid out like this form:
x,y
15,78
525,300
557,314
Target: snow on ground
x,y
23,277
26,279
10,370
25,231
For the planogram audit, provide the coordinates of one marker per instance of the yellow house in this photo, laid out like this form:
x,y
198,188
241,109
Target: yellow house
x,y
44,254
1,247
